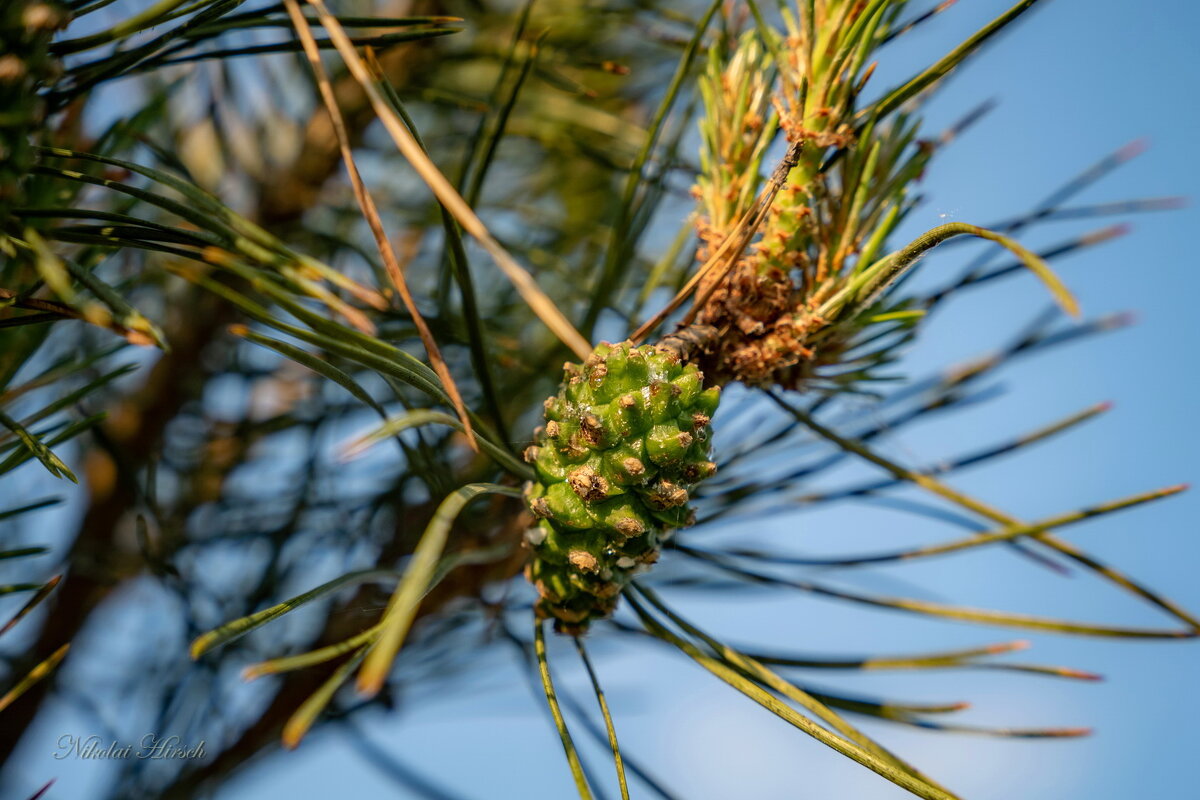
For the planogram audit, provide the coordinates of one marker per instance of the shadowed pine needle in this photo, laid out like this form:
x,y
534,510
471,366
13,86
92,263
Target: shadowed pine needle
x,y
68,432
969,503
948,658
907,27
38,596
538,301
371,214
38,449
877,707
316,364
321,655
237,628
961,613
608,722
539,648
389,762
65,401
300,722
873,280
419,417
127,323
770,680
764,698
13,588
329,336
928,77
601,736
981,277
381,41
969,459
1092,210
990,537
40,793
906,714
1006,733
238,237
20,552
456,255
619,243
1069,673
1057,197
418,577
33,676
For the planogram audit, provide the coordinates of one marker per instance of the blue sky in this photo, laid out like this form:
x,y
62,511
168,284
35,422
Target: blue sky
x,y
1074,81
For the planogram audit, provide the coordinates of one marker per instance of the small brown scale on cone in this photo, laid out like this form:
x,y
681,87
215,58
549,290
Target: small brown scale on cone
x,y
626,440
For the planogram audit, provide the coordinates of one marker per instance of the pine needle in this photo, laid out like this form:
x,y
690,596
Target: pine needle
x,y
608,722
538,301
988,512
539,648
33,676
371,214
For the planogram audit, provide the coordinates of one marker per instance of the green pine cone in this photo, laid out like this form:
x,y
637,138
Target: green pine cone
x,y
626,439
